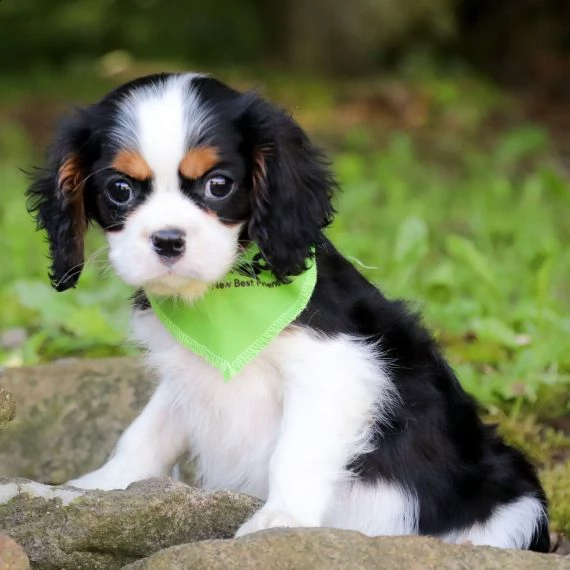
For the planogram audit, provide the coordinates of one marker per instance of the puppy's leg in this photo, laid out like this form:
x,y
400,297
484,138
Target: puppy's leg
x,y
331,392
148,448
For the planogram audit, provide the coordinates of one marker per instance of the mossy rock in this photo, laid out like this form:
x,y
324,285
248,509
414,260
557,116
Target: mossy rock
x,y
556,482
70,415
69,529
7,407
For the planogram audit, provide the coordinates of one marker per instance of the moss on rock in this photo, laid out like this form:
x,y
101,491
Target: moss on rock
x,y
7,407
556,482
67,528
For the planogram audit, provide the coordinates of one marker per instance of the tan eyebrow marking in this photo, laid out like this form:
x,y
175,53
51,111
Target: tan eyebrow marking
x,y
197,161
131,163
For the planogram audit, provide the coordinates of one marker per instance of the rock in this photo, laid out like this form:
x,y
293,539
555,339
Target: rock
x,y
70,415
563,548
7,407
328,549
67,528
12,555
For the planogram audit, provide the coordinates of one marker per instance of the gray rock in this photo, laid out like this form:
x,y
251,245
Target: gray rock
x,y
70,415
67,528
328,549
12,555
7,407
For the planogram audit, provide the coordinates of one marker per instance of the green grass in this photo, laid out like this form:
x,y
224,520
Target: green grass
x,y
479,245
471,230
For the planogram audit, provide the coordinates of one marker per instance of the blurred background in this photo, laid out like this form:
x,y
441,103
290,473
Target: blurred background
x,y
448,122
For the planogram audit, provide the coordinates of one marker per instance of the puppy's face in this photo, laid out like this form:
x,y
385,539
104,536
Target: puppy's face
x,y
181,172
172,193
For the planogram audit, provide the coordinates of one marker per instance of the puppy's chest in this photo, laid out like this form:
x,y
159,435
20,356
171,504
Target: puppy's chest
x,y
232,427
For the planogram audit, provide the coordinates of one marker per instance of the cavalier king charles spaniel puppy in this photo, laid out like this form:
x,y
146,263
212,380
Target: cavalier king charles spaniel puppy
x,y
350,417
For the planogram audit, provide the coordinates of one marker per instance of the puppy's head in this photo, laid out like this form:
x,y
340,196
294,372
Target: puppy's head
x,y
181,172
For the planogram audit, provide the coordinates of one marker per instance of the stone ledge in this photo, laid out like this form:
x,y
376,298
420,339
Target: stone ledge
x,y
330,549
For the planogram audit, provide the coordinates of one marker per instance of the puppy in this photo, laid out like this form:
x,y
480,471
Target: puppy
x,y
348,416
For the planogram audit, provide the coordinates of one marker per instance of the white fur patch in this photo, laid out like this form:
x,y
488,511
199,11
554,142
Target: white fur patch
x,y
375,509
231,427
334,389
160,119
511,526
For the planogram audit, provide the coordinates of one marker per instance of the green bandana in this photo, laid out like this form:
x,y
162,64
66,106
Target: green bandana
x,y
239,315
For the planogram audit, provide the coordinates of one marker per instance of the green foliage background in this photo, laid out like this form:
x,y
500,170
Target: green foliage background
x,y
470,227
451,197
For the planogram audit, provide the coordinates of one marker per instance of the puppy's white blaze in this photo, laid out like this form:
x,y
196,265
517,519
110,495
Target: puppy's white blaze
x,y
162,134
161,121
510,526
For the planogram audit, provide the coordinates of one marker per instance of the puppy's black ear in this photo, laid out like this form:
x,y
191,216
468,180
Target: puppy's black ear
x,y
56,199
292,188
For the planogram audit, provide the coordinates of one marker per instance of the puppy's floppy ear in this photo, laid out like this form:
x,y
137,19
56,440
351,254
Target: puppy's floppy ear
x,y
56,199
291,191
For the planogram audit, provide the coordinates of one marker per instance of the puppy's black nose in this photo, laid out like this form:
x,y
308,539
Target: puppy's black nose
x,y
169,243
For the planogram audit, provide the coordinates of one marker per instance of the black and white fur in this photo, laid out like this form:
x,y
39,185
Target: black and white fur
x,y
351,418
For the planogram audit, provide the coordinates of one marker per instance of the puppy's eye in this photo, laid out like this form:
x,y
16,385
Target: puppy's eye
x,y
219,187
120,192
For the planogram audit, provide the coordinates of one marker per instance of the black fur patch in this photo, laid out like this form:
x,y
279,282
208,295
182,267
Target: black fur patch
x,y
434,442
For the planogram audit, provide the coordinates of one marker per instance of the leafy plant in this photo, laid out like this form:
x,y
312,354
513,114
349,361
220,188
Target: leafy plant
x,y
479,248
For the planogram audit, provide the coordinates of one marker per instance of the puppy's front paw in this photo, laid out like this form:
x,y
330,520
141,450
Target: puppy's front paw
x,y
99,480
267,518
